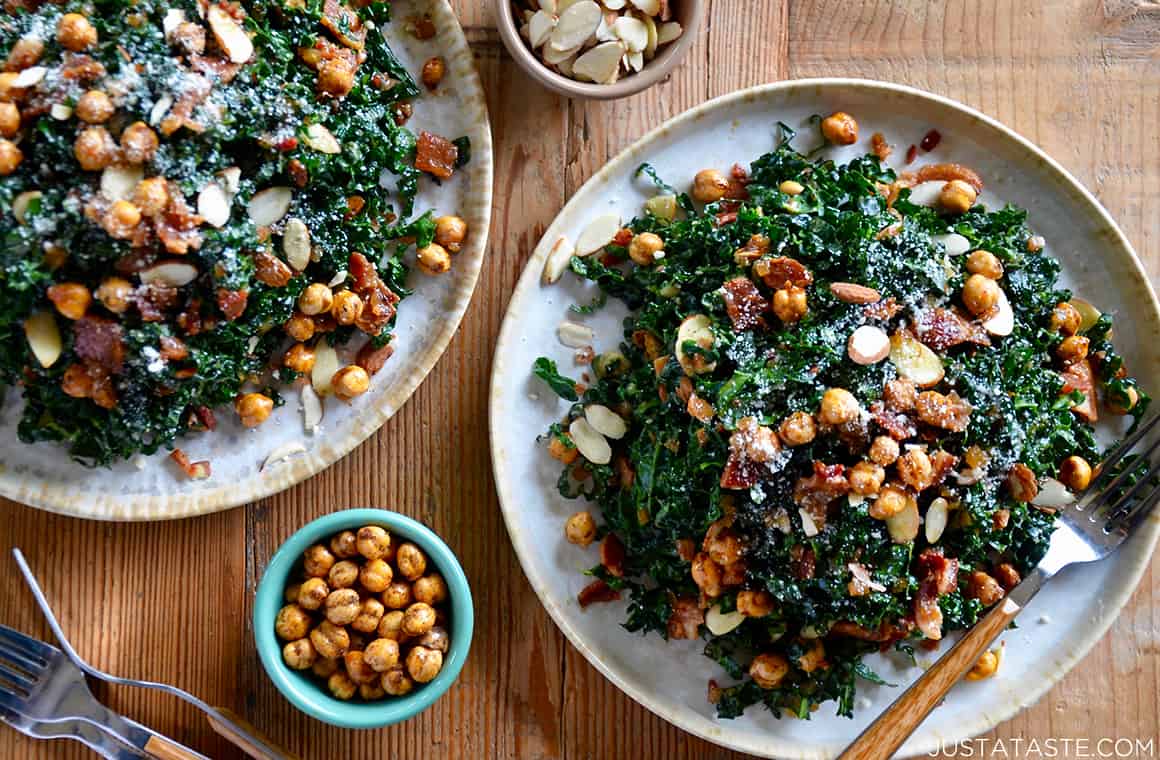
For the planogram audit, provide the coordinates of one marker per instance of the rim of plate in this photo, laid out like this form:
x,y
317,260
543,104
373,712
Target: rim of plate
x,y
772,745
69,500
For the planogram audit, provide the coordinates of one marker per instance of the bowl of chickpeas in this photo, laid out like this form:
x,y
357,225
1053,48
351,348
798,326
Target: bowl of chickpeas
x,y
363,618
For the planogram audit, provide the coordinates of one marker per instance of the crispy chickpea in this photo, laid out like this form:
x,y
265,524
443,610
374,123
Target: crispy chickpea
x,y
299,327
838,407
1075,473
884,450
317,298
985,263
344,545
254,408
1123,404
424,664
95,149
324,667
798,429
10,157
1065,318
976,457
391,626
433,72
980,294
915,469
768,670
450,232
643,248
580,528
343,574
371,691
71,299
373,542
151,196
74,32
397,596
891,500
866,478
710,186
789,187
292,623
299,654
430,589
139,143
840,128
341,686
755,603
418,619
9,119
957,197
347,307
433,259
330,640
790,304
313,593
342,606
25,53
436,638
986,667
317,561
1073,348
350,381
358,669
376,575
121,219
299,358
411,561
983,587
94,107
562,451
814,658
369,616
335,77
396,682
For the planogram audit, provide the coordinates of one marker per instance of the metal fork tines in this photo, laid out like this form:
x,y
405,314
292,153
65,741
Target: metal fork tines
x,y
105,745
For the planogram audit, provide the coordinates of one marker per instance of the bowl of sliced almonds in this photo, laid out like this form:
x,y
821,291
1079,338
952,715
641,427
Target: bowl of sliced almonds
x,y
602,50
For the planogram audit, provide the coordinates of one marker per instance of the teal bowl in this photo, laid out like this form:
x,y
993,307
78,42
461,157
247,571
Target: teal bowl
x,y
308,694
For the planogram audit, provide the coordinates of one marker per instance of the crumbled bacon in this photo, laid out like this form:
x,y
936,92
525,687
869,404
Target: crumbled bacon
x,y
686,549
195,88
271,270
756,247
194,470
948,172
738,181
372,359
824,485
218,69
942,462
898,425
686,618
436,155
612,555
97,340
802,562
324,51
744,303
733,574
949,412
622,237
298,172
782,271
177,226
595,592
1079,376
173,349
879,146
726,217
344,24
751,448
154,300
205,416
933,564
379,301
885,310
81,68
941,329
927,614
232,303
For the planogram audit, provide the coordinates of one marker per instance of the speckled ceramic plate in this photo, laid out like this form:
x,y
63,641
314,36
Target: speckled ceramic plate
x,y
670,678
42,475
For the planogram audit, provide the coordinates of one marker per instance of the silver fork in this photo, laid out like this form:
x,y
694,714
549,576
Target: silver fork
x,y
38,682
104,744
1091,528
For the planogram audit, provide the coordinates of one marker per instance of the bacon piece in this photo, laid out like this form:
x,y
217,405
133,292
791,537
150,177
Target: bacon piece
x,y
927,614
802,562
177,226
948,172
898,425
885,310
89,380
949,412
751,448
271,270
612,555
744,303
81,68
232,303
686,618
879,146
372,359
942,462
219,69
941,329
379,301
97,340
1079,376
205,416
194,470
814,493
780,270
173,349
595,592
686,549
933,564
436,155
344,24
195,88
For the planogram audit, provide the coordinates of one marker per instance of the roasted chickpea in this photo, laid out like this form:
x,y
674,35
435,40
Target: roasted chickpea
x,y
95,149
580,528
644,247
983,587
980,294
139,143
94,107
1065,318
317,298
986,667
397,596
299,327
976,457
755,603
330,640
342,606
121,220
335,77
344,545
299,358
1075,473
790,304
324,667
430,589
985,263
347,307
254,408
24,54
915,469
350,381
371,691
884,450
710,186
562,451
343,574
391,626
1122,404
411,561
768,670
292,623
840,128
299,654
814,658
313,593
891,500
9,119
1073,348
75,33
376,575
957,197
317,561
866,478
396,682
789,187
418,619
358,669
424,664
341,686
71,299
10,157
436,638
838,407
433,259
373,542
151,196
433,71
369,616
798,429
450,232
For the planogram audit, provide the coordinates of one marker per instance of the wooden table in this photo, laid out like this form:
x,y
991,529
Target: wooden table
x,y
172,601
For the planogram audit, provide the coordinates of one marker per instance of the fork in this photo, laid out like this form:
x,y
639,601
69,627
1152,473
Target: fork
x,y
1116,502
38,682
104,744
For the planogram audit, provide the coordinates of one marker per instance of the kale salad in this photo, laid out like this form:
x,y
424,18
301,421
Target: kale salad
x,y
839,422
200,201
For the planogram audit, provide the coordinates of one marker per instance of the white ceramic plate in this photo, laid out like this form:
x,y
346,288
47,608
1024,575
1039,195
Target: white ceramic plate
x,y
670,678
42,475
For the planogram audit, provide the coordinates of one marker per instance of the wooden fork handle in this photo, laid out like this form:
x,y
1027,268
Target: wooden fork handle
x,y
884,736
163,750
244,743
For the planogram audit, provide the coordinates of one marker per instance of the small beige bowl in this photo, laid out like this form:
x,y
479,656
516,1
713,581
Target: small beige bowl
x,y
686,12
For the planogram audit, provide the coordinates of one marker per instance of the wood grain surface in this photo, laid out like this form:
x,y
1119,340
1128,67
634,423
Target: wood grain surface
x,y
172,601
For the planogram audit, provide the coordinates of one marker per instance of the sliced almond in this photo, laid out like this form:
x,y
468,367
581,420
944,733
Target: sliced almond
x,y
1088,314
903,526
615,5
43,337
850,292
119,181
647,7
230,179
601,230
213,204
926,193
284,452
311,409
574,335
338,279
557,261
550,6
634,61
632,32
296,244
60,112
174,18
565,66
600,64
663,206
667,32
936,519
270,205
605,421
1002,322
720,623
604,30
809,527
653,39
954,243
230,35
172,273
868,345
556,57
696,329
1053,495
592,445
862,574
23,202
30,77
326,363
915,362
321,139
160,108
577,23
540,28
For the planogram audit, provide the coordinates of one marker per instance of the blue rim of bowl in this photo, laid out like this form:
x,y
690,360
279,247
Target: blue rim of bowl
x,y
307,694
